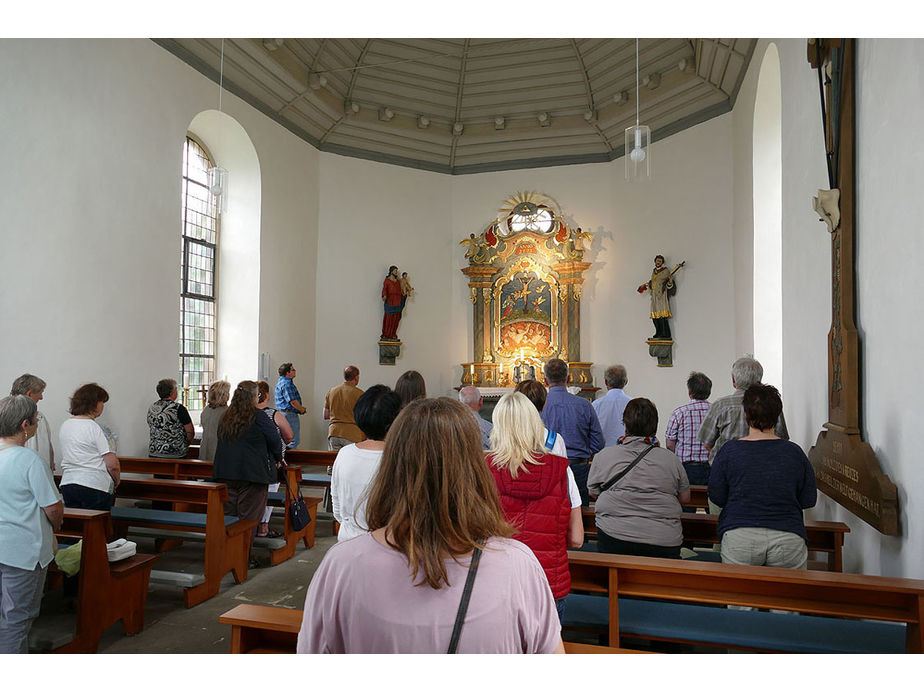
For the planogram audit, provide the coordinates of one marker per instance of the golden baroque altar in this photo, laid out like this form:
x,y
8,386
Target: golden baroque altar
x,y
525,275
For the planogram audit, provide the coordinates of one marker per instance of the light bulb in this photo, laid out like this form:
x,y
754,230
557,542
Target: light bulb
x,y
637,155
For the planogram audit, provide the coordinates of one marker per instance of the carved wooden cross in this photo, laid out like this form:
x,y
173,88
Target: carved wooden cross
x,y
846,467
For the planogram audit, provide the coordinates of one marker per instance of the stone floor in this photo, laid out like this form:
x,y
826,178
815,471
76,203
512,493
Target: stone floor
x,y
170,628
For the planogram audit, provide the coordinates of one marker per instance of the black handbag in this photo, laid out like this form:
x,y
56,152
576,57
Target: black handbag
x,y
298,511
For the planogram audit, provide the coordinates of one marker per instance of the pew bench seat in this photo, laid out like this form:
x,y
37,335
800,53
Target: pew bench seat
x,y
166,517
761,631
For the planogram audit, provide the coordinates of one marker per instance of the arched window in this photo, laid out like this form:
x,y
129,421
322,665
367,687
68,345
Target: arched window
x,y
197,289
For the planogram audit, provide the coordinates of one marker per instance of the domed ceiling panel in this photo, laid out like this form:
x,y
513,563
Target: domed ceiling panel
x,y
469,105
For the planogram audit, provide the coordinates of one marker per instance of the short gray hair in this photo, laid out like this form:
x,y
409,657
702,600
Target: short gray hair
x,y
469,396
615,376
746,371
27,383
14,410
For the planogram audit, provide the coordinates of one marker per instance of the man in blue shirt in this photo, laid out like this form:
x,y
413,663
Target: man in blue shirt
x,y
574,419
289,401
610,407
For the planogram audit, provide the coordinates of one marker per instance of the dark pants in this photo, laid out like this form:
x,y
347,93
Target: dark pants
x,y
580,467
87,498
246,501
76,496
607,544
560,607
697,473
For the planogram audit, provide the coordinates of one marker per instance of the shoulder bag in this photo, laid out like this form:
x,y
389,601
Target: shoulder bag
x,y
298,511
625,471
463,604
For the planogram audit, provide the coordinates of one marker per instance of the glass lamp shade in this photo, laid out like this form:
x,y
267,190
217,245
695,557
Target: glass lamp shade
x,y
218,185
638,153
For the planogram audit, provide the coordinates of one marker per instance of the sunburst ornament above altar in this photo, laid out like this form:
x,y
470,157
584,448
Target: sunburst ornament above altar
x,y
528,211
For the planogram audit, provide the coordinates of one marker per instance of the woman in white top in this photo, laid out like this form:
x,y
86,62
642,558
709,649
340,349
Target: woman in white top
x,y
30,510
356,465
90,468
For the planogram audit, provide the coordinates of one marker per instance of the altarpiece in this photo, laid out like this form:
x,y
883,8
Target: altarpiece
x,y
525,275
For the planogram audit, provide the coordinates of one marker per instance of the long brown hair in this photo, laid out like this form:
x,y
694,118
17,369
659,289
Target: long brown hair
x,y
433,490
241,412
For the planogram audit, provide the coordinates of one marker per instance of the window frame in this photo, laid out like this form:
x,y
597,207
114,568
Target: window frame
x,y
189,397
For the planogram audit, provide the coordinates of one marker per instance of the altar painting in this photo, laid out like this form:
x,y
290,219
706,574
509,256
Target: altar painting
x,y
525,305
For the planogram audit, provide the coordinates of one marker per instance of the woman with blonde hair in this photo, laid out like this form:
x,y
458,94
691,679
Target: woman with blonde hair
x,y
537,490
437,534
249,446
216,406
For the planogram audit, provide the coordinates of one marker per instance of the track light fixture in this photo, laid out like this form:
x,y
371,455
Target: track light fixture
x,y
423,122
500,123
457,127
386,114
544,120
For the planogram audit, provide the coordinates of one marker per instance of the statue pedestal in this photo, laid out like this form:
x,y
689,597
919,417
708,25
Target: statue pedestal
x,y
389,351
661,349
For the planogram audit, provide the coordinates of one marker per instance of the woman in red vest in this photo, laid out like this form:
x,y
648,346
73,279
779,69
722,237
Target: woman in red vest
x,y
537,490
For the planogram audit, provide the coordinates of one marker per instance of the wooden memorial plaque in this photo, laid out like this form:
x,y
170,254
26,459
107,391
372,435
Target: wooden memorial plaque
x,y
846,468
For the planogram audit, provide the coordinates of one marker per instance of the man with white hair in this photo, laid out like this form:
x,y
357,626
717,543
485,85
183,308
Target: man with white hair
x,y
725,420
471,398
33,387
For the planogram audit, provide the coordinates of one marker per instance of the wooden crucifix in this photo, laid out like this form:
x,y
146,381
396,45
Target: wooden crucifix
x,y
845,465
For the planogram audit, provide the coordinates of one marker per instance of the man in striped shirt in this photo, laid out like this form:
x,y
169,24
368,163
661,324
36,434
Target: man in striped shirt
x,y
683,429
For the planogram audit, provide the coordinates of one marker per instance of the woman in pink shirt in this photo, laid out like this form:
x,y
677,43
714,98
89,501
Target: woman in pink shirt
x,y
433,511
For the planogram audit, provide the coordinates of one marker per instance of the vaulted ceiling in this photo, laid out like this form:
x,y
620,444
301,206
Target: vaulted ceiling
x,y
470,105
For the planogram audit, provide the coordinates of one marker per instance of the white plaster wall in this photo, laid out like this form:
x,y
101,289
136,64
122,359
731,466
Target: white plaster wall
x,y
684,212
890,91
90,219
890,99
371,216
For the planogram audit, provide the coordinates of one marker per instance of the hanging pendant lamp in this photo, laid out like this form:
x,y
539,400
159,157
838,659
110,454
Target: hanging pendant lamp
x,y
217,176
638,141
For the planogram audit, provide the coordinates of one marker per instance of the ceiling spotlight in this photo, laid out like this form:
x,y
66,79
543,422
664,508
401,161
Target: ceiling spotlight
x,y
316,81
386,113
423,122
351,108
544,119
590,115
686,65
621,97
652,81
272,44
499,123
457,127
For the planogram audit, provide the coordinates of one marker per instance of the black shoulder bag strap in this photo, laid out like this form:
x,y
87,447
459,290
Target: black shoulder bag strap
x,y
463,604
625,471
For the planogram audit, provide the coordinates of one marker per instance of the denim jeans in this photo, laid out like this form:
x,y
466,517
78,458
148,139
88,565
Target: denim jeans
x,y
580,467
20,601
292,418
560,607
697,473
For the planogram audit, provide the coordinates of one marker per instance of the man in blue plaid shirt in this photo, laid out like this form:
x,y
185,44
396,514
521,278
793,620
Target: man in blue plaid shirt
x,y
683,429
289,401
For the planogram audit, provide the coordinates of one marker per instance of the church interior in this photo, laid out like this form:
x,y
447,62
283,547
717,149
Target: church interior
x,y
332,177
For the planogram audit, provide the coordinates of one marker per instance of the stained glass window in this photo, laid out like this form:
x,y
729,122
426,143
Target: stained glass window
x,y
197,281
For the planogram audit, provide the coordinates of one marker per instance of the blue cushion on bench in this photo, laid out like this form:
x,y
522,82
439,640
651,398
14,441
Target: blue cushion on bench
x,y
317,478
733,628
164,517
276,496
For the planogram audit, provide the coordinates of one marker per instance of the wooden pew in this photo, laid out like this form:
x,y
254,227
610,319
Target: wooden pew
x,y
699,528
199,469
227,540
107,592
838,605
699,498
259,629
